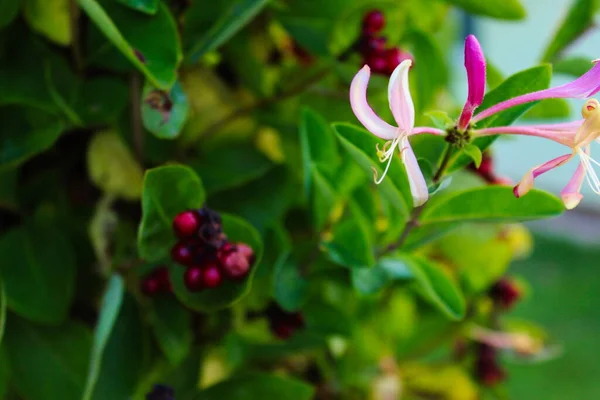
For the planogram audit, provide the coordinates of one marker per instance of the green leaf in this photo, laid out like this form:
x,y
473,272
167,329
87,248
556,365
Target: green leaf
x,y
9,9
49,18
575,66
311,34
150,43
326,320
351,242
111,304
230,167
361,145
8,188
549,109
493,76
101,100
440,119
319,147
22,137
172,326
2,310
370,280
290,289
124,356
164,114
258,386
579,19
145,6
235,18
474,153
167,191
323,199
237,230
492,203
501,9
429,81
527,81
112,167
437,287
38,272
56,356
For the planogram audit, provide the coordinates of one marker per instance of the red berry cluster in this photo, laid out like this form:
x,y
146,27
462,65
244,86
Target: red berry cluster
x,y
204,249
487,369
284,324
156,282
380,59
487,172
505,293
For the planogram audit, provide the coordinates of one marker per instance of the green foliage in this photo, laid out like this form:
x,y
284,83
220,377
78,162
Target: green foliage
x,y
107,136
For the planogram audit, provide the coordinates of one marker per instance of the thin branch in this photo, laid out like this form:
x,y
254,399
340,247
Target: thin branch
x,y
74,13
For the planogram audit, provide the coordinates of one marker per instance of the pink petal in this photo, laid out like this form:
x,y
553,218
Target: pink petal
x,y
418,186
583,87
566,137
570,194
401,102
364,113
475,66
527,182
426,129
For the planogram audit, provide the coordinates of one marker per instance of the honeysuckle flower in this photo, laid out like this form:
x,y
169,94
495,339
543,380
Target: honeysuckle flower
x,y
401,105
475,66
578,136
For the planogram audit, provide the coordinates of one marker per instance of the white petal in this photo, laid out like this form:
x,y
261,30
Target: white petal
x,y
362,110
401,102
418,186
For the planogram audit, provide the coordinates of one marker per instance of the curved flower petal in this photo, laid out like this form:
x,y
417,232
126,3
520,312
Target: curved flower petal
x,y
418,186
564,136
362,110
475,66
401,102
527,182
571,195
583,87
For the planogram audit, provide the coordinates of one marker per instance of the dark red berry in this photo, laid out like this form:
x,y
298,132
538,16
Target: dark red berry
x,y
181,253
377,63
151,285
235,265
283,330
373,45
186,224
211,276
373,22
193,279
162,274
246,251
487,369
393,58
506,293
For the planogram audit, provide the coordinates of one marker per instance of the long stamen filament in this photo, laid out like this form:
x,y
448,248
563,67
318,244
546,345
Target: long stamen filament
x,y
591,175
386,154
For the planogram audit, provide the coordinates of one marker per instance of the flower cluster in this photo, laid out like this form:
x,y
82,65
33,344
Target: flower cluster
x,y
204,249
577,135
381,59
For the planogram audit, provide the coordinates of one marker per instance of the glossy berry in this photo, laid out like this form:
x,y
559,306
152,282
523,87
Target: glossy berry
x,y
505,293
162,274
235,264
182,254
246,251
193,279
151,285
283,330
186,224
373,45
377,63
211,276
373,22
393,58
161,392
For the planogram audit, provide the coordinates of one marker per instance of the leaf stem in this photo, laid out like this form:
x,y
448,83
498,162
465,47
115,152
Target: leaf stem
x,y
413,220
74,13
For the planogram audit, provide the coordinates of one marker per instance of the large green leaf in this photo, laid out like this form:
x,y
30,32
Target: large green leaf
x,y
8,11
501,9
145,6
258,386
47,363
371,280
124,355
38,272
437,287
575,66
576,22
290,288
172,328
49,18
22,137
492,203
323,199
150,43
549,109
230,22
237,230
361,145
111,305
164,114
168,191
527,81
